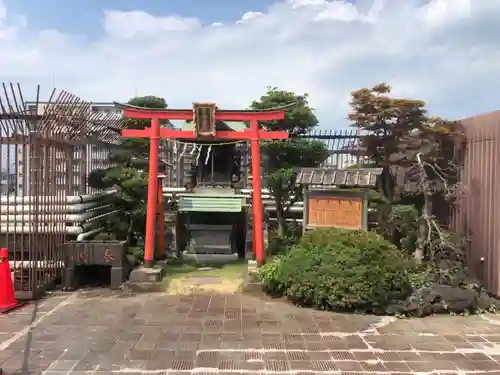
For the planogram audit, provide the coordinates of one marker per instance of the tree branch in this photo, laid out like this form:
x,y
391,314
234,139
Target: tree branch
x,y
432,227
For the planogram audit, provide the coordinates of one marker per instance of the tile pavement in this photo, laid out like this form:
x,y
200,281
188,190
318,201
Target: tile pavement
x,y
107,333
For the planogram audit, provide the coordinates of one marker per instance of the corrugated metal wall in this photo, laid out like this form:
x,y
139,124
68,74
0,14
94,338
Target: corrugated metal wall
x,y
476,214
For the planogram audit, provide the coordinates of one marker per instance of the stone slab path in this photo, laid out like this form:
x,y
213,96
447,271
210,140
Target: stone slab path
x,y
108,333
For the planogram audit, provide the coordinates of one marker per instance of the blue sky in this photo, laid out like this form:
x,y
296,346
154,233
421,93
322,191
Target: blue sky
x,y
445,52
60,14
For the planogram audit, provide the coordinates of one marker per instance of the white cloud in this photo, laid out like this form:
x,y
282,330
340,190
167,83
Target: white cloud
x,y
9,27
439,12
305,3
441,51
339,11
128,25
249,16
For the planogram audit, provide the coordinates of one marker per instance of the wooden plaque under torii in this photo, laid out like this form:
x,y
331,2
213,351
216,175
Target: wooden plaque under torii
x,y
204,118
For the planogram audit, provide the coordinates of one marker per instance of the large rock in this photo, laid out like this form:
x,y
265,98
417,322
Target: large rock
x,y
456,299
435,300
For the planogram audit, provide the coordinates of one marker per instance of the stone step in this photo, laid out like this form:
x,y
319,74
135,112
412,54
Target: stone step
x,y
143,287
211,258
211,249
208,227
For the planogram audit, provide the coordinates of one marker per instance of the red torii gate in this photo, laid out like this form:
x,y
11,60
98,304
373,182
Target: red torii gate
x,y
204,115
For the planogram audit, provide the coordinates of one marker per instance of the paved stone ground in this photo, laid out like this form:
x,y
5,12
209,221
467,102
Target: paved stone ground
x,y
107,333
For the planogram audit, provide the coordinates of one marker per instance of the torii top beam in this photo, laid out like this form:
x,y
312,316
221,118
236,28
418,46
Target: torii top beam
x,y
277,113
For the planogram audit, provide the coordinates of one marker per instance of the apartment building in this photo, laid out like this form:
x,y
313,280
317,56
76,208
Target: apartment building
x,y
85,159
94,155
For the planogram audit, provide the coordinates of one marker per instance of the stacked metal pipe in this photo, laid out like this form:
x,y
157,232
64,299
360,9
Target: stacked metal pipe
x,y
80,215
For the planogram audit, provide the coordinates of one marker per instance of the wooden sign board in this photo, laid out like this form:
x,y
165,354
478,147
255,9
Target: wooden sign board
x,y
335,209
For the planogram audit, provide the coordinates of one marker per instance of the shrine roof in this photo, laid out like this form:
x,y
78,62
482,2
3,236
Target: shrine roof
x,y
220,125
359,177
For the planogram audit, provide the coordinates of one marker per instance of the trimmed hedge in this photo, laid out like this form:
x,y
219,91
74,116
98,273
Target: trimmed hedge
x,y
340,270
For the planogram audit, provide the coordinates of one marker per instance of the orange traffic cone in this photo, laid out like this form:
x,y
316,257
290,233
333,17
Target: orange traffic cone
x,y
8,301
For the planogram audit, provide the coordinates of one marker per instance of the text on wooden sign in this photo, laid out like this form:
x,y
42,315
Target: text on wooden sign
x,y
334,212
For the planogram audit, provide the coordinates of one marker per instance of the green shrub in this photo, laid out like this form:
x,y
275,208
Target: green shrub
x,y
104,236
280,245
270,276
137,252
401,227
336,269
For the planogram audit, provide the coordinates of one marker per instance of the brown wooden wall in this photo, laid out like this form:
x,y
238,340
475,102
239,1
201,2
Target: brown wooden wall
x,y
477,212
